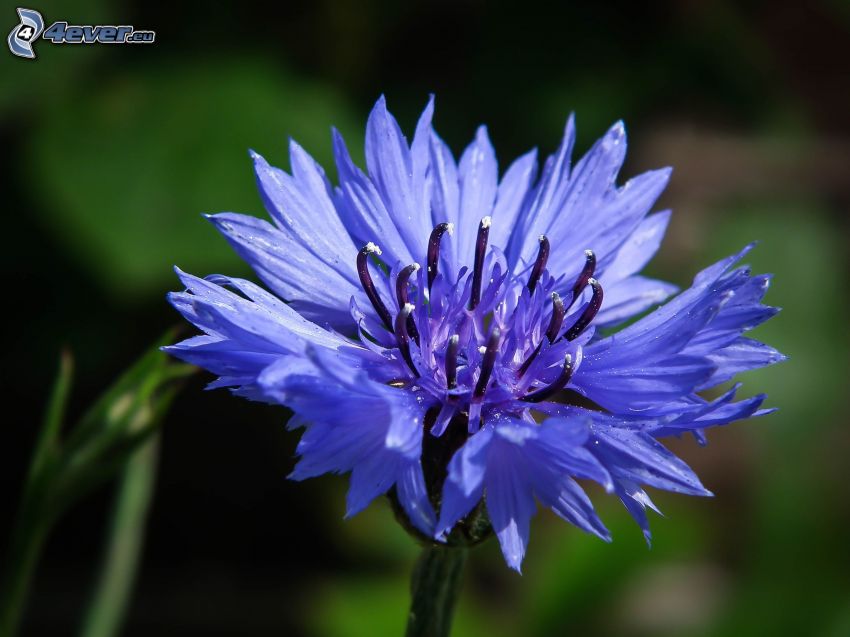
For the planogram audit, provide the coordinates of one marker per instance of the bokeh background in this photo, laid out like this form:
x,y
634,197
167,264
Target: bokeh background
x,y
112,153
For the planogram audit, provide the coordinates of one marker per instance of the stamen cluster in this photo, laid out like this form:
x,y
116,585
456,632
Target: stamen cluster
x,y
456,323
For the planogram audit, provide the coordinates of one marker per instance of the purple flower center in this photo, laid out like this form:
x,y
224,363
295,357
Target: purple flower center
x,y
486,340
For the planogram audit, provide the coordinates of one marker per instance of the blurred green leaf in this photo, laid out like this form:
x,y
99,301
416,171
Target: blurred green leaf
x,y
47,446
129,398
32,522
108,606
62,472
125,168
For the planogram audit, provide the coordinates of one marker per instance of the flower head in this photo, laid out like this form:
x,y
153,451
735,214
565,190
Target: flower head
x,y
437,330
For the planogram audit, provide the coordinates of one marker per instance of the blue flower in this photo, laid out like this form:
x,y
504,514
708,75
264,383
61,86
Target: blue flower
x,y
451,338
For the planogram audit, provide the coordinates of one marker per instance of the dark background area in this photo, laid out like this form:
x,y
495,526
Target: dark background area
x,y
112,153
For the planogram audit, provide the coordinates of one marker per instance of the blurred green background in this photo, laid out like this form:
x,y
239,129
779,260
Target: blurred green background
x,y
113,153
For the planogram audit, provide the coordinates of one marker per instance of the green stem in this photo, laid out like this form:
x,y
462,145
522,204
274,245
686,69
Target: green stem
x,y
434,589
132,501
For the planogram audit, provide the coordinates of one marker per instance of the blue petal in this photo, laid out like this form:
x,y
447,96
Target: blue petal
x,y
413,496
300,203
743,355
478,173
552,453
514,190
631,296
638,249
290,269
371,476
607,224
636,501
559,446
363,209
370,429
569,501
327,449
465,480
637,456
651,358
643,383
445,196
391,169
749,407
258,323
420,148
741,313
510,502
547,199
223,357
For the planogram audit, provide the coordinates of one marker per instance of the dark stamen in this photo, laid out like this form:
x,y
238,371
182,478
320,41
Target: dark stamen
x,y
487,363
403,338
434,249
584,276
401,284
540,263
557,319
555,387
403,297
451,362
369,286
555,323
478,264
589,312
